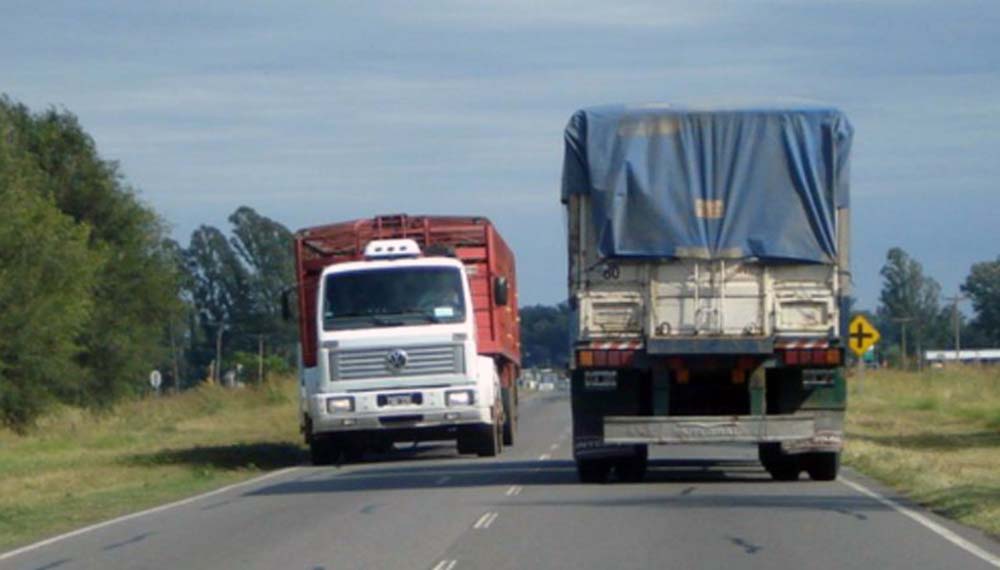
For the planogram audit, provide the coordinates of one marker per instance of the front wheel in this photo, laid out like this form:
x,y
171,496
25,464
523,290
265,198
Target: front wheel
x,y
323,451
490,443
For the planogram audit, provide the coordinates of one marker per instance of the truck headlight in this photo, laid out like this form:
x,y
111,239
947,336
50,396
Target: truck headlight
x,y
460,398
340,404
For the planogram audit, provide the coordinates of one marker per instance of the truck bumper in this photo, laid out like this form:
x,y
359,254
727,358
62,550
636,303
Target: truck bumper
x,y
432,415
797,433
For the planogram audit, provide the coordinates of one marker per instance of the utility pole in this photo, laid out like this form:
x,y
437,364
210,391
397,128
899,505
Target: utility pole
x,y
260,358
902,321
955,300
218,354
173,354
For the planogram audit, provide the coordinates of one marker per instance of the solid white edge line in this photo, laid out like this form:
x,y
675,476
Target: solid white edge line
x,y
123,518
934,527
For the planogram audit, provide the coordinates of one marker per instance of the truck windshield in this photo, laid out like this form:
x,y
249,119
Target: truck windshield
x,y
393,297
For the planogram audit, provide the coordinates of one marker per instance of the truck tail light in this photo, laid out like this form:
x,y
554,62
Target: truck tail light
x,y
605,358
822,356
833,356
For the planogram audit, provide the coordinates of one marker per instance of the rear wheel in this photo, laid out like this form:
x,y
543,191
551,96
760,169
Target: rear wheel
x,y
510,416
633,469
782,466
823,466
593,470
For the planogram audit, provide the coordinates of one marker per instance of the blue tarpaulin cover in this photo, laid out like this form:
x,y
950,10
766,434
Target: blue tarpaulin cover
x,y
685,182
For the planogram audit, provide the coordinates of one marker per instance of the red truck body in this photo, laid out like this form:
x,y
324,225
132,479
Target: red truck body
x,y
475,242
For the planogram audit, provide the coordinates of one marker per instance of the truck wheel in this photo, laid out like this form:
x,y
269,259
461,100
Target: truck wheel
x,y
490,441
633,469
593,470
823,466
323,451
510,417
781,466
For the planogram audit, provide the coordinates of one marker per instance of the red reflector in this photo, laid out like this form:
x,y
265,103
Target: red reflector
x,y
600,358
628,356
792,357
614,358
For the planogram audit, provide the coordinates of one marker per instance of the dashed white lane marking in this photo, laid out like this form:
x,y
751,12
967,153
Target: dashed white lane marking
x,y
926,522
443,480
445,565
514,490
161,508
544,457
485,521
554,446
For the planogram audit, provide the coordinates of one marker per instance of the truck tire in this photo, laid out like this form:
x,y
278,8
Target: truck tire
x,y
593,470
823,466
782,466
323,451
633,469
490,441
510,416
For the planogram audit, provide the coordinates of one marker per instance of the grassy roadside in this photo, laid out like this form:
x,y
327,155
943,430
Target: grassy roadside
x,y
935,436
79,468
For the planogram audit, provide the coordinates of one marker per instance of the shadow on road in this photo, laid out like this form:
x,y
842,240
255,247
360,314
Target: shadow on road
x,y
229,457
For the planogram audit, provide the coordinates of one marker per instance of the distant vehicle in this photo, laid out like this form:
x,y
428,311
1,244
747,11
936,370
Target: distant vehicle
x,y
546,386
708,271
409,332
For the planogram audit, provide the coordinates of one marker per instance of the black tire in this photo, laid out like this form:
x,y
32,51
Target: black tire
x,y
781,466
823,466
593,470
633,469
490,441
510,416
323,451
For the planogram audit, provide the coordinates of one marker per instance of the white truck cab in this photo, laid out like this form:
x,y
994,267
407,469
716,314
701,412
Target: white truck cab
x,y
397,358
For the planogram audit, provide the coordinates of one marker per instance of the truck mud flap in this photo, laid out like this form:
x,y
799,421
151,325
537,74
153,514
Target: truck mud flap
x,y
714,429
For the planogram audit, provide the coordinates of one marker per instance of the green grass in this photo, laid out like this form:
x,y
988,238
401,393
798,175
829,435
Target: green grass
x,y
935,436
78,467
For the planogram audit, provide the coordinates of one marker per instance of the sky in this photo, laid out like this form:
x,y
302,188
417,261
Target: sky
x,y
314,112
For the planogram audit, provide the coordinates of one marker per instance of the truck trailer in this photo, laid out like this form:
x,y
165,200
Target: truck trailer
x,y
409,332
708,279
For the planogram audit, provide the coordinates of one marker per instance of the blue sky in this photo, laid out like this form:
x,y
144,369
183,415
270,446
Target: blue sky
x,y
312,112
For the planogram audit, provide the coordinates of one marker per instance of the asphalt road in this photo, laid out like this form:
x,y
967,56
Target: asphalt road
x,y
700,507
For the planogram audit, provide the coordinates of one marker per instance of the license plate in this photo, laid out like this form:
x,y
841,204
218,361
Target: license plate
x,y
600,380
393,400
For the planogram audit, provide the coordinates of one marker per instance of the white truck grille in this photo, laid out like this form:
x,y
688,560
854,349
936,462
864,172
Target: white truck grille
x,y
425,360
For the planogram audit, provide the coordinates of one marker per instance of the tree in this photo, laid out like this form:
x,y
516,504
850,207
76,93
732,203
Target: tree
x,y
545,335
909,300
983,287
47,272
135,291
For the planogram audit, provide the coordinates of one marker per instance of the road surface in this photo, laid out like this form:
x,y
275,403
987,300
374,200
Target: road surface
x,y
700,507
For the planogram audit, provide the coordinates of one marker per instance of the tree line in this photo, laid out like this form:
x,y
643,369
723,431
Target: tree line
x,y
94,295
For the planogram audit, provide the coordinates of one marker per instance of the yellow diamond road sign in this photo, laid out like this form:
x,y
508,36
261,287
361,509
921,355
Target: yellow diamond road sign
x,y
861,335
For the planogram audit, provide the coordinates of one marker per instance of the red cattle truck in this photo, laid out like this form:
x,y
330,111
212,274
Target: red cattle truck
x,y
409,332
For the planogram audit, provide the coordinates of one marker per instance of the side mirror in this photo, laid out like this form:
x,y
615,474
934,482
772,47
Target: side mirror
x,y
286,306
500,291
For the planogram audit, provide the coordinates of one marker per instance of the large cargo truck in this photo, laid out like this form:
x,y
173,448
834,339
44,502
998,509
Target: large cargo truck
x,y
708,273
409,332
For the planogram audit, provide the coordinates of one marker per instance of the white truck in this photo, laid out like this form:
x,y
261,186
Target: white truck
x,y
708,275
408,333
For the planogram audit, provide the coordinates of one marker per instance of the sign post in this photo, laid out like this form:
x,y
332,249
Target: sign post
x,y
861,337
156,380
